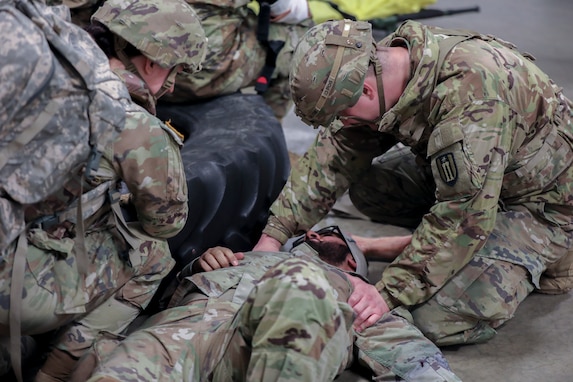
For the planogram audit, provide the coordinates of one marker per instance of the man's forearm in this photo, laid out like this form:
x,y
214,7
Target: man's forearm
x,y
267,244
277,230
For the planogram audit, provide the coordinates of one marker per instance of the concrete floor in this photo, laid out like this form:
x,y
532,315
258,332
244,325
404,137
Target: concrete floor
x,y
537,345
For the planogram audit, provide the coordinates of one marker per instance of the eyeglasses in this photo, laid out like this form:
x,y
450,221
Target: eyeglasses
x,y
332,230
351,246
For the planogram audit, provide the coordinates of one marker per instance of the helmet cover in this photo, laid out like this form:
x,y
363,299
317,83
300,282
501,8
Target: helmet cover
x,y
168,32
328,70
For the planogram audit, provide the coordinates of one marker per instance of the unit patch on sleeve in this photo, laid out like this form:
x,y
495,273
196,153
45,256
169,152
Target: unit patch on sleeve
x,y
447,168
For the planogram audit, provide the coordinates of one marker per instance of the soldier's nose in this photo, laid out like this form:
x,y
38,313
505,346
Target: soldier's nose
x,y
312,235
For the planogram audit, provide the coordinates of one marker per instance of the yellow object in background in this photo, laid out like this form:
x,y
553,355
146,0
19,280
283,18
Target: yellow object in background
x,y
322,10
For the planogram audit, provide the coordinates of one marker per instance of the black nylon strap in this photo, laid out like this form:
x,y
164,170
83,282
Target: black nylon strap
x,y
272,47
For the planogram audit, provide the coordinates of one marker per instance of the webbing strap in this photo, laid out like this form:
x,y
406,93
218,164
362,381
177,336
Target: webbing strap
x,y
120,44
333,72
379,82
91,202
16,290
131,234
81,251
272,47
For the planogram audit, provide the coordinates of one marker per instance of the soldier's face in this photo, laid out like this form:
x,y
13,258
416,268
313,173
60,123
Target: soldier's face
x,y
331,248
366,109
154,75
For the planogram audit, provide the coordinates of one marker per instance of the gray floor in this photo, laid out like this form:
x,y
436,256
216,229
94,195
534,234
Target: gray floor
x,y
537,345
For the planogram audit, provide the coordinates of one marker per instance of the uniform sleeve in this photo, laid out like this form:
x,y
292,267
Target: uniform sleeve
x,y
149,162
469,153
322,174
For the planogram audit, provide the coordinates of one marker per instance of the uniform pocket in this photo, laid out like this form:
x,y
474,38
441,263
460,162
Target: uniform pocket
x,y
486,289
43,252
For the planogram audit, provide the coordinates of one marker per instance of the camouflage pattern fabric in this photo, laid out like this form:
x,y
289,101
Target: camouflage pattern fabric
x,y
276,316
168,33
81,10
496,132
57,84
476,301
341,65
126,260
147,159
235,57
128,268
122,276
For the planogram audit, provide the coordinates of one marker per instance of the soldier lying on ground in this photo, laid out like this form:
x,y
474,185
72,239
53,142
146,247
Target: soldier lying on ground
x,y
268,316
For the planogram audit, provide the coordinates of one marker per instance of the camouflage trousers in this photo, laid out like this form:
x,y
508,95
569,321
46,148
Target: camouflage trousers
x,y
488,290
396,190
290,328
56,297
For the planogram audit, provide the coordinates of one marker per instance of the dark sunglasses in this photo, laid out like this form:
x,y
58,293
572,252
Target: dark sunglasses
x,y
332,230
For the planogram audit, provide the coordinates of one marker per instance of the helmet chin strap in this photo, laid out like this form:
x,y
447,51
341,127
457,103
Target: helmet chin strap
x,y
379,85
119,45
168,83
338,41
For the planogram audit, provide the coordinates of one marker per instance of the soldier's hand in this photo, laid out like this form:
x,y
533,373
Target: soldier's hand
x,y
219,257
367,303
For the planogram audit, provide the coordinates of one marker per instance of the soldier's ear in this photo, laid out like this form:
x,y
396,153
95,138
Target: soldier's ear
x,y
351,262
369,89
148,65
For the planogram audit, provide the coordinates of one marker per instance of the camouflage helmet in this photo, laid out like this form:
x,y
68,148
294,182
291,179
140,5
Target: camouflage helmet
x,y
168,32
329,68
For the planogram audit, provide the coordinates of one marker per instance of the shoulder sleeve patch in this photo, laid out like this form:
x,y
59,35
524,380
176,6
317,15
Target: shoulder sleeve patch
x,y
447,168
450,166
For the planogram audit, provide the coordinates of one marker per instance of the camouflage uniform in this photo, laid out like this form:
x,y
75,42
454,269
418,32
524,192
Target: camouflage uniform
x,y
120,281
276,316
236,57
127,250
492,134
